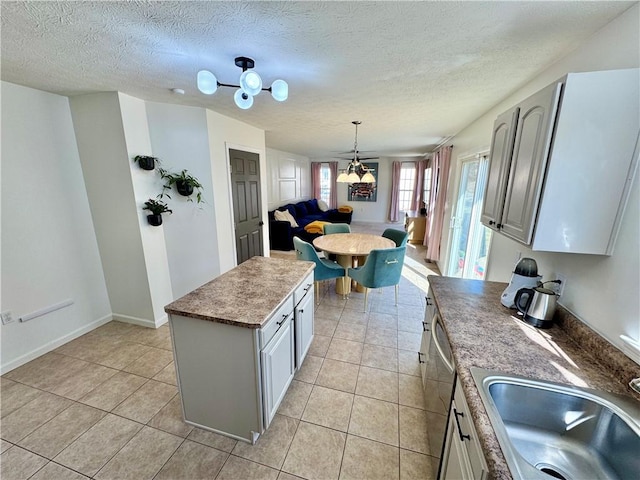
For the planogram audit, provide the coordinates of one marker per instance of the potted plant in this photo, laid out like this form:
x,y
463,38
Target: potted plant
x,y
185,184
145,162
157,208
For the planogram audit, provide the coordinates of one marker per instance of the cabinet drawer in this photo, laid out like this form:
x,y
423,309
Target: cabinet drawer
x,y
301,291
273,325
430,309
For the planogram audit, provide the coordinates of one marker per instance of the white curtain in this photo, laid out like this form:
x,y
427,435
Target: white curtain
x,y
440,164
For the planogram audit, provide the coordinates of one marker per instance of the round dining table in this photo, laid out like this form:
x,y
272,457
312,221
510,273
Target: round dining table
x,y
350,246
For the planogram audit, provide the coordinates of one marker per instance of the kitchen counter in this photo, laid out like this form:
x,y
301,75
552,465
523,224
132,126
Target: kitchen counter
x,y
485,334
246,296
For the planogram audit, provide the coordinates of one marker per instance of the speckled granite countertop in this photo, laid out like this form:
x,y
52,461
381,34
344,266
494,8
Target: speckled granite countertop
x,y
485,334
245,296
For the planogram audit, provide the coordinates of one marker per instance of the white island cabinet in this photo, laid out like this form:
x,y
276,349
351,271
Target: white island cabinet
x,y
235,341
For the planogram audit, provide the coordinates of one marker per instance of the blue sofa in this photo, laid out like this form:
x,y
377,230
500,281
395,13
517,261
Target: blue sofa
x,y
281,233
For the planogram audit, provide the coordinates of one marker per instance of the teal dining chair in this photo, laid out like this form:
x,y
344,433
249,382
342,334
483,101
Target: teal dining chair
x,y
383,268
330,228
325,269
398,236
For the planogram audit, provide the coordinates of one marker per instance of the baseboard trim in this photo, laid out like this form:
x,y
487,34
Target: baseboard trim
x,y
142,322
48,347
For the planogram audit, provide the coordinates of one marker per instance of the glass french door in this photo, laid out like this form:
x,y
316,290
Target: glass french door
x,y
469,238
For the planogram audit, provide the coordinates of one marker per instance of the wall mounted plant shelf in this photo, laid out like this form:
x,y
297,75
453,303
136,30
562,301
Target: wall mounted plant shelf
x,y
145,162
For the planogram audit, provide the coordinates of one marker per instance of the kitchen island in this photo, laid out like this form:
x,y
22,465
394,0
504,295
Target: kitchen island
x,y
237,342
484,334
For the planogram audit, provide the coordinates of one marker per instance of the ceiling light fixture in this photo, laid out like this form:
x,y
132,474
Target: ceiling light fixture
x,y
356,171
250,84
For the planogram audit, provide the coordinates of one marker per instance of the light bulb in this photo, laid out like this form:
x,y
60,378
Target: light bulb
x,y
280,90
243,100
251,82
207,82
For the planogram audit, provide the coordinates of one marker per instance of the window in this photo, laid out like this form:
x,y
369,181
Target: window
x,y
407,182
470,240
325,183
426,193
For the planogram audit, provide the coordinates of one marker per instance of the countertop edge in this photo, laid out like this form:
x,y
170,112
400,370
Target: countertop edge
x,y
302,273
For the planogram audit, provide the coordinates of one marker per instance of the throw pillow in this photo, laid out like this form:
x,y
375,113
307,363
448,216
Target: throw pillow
x,y
301,210
291,219
312,206
285,217
322,205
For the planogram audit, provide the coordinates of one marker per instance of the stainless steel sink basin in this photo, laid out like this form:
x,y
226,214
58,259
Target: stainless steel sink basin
x,y
549,430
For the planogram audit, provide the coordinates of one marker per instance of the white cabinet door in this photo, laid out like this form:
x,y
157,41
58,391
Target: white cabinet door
x,y
425,341
455,465
499,161
304,327
530,152
278,367
423,353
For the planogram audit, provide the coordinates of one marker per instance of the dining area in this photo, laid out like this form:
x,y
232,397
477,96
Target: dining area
x,y
357,261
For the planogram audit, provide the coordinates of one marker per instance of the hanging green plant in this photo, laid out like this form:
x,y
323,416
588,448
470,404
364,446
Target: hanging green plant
x,y
185,184
146,162
157,208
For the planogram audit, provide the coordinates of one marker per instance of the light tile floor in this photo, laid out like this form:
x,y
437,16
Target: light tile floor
x,y
106,405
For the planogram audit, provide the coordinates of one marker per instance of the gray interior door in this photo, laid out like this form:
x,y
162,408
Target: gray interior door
x,y
247,208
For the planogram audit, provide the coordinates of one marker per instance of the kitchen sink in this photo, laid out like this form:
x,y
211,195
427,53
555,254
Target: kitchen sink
x,y
549,430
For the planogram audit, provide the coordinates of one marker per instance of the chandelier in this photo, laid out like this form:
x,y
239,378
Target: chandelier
x,y
250,84
356,171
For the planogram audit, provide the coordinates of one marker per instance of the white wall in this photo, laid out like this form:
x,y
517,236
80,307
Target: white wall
x,y
179,138
602,291
154,249
107,171
225,133
289,178
49,248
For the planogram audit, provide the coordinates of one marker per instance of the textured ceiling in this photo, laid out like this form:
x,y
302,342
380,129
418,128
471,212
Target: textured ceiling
x,y
413,72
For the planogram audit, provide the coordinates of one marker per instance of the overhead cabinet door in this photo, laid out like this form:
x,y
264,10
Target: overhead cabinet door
x,y
499,161
533,138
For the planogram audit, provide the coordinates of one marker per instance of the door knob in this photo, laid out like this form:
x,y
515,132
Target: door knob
x,y
260,223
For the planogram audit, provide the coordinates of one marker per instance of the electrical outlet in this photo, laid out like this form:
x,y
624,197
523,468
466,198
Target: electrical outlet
x,y
6,317
559,288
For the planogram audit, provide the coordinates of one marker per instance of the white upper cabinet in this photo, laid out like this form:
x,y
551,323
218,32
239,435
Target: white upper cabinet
x,y
501,150
562,162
